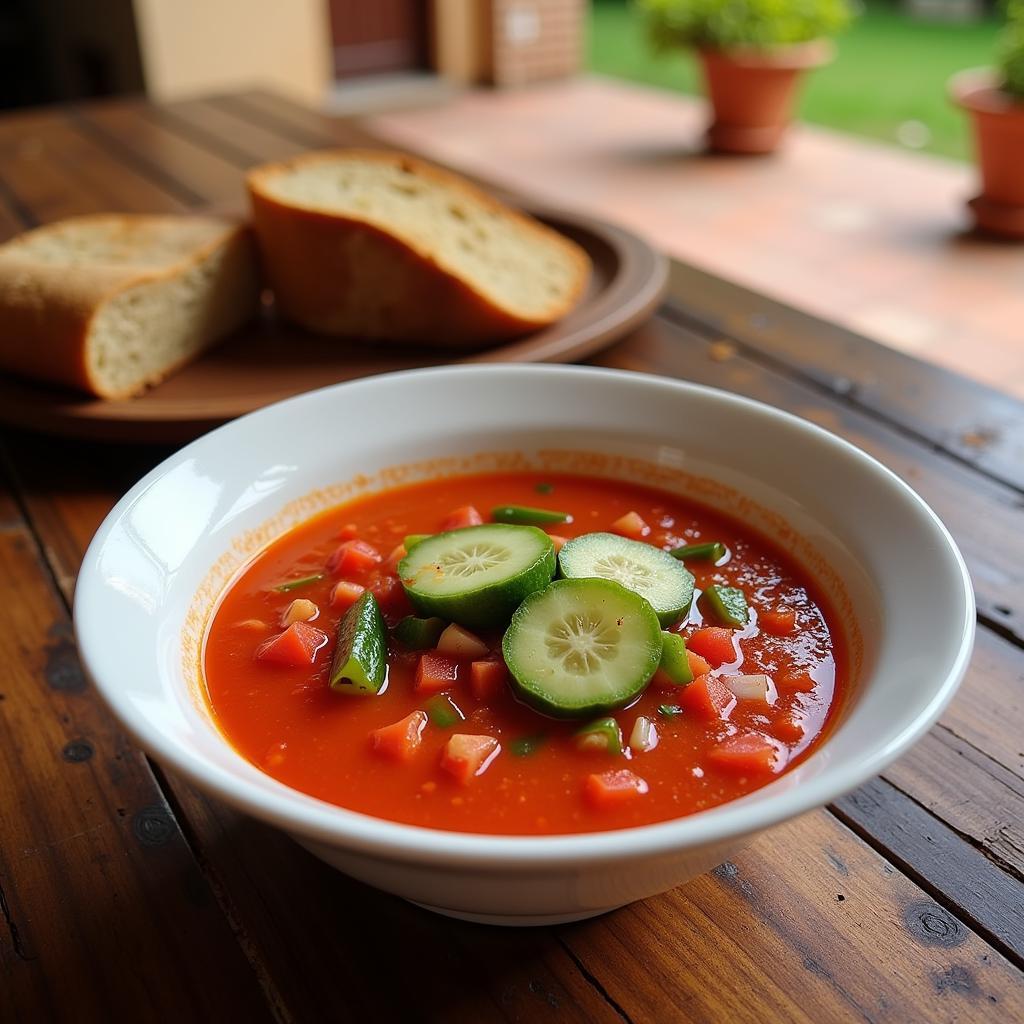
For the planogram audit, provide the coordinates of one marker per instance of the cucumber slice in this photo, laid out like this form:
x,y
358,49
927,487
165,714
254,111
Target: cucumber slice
x,y
646,570
477,576
580,648
360,662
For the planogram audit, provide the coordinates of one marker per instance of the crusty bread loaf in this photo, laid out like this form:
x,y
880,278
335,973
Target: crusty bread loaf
x,y
112,303
381,245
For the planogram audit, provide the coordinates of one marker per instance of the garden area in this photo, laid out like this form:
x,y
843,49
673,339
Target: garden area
x,y
888,81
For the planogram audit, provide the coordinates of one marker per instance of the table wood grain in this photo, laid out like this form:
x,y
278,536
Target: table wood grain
x,y
127,895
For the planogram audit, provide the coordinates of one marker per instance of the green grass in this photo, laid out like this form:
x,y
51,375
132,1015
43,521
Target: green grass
x,y
890,69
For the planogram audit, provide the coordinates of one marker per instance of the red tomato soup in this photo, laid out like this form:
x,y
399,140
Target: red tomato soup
x,y
450,740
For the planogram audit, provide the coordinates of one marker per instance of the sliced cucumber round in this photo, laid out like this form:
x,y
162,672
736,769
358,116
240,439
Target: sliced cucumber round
x,y
646,570
580,648
477,576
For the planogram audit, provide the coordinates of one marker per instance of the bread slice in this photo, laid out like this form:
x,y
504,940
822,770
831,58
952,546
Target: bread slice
x,y
382,245
112,303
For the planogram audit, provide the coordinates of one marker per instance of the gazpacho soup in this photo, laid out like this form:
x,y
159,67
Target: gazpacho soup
x,y
520,653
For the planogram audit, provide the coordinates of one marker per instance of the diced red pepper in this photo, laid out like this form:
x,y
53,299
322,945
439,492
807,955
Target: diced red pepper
x,y
713,643
295,647
778,622
400,740
698,666
460,517
435,673
390,595
746,752
348,532
707,697
558,541
466,756
345,594
631,525
789,725
607,790
795,682
353,556
487,679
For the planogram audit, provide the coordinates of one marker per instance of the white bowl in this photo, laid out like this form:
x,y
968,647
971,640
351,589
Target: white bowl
x,y
162,557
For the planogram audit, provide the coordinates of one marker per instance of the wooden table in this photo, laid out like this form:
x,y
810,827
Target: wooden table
x,y
125,895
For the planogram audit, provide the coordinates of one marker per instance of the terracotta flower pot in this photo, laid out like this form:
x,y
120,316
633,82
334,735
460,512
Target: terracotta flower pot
x,y
999,139
752,93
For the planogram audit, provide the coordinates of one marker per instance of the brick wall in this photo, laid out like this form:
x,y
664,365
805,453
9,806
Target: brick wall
x,y
536,39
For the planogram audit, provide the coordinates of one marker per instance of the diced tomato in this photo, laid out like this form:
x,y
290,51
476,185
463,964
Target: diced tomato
x,y
390,595
345,594
460,643
747,752
397,554
558,541
611,789
778,622
400,740
714,644
435,673
295,647
698,666
353,556
348,531
487,679
460,517
789,725
795,682
631,525
465,756
708,697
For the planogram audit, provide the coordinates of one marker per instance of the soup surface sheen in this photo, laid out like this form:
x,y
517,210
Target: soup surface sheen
x,y
288,722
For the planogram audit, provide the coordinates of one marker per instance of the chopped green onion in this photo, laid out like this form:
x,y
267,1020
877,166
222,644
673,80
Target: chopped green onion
x,y
523,515
360,662
604,734
544,488
674,662
413,539
419,634
713,552
728,603
526,745
669,710
443,711
303,581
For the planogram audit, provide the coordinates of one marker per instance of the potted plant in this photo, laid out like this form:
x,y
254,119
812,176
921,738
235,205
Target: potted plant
x,y
752,53
995,100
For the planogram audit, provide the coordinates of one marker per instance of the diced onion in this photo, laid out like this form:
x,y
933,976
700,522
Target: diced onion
x,y
460,642
758,686
644,736
300,610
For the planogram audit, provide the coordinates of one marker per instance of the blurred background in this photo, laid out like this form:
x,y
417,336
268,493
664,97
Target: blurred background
x,y
59,50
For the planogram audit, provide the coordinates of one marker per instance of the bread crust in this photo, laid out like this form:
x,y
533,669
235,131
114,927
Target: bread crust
x,y
47,309
335,273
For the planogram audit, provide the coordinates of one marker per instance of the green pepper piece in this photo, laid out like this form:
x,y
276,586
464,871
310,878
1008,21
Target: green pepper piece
x,y
413,539
674,662
604,733
419,634
360,663
526,745
523,515
303,581
544,487
713,552
443,711
729,604
669,710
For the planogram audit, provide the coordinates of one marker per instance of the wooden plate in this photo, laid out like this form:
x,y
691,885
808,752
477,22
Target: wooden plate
x,y
271,359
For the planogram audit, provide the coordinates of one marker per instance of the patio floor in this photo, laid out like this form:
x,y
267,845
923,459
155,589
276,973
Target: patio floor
x,y
865,235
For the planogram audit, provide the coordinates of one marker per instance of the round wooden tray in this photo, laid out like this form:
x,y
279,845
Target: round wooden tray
x,y
271,359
